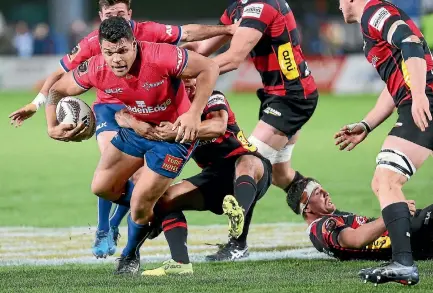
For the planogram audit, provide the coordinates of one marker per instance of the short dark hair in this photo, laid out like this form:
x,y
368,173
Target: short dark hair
x,y
114,29
107,3
294,193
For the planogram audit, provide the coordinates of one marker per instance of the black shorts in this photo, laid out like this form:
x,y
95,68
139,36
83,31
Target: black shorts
x,y
406,128
217,181
287,114
422,233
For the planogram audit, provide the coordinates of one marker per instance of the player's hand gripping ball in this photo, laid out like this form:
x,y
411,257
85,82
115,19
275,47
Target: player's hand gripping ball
x,y
73,111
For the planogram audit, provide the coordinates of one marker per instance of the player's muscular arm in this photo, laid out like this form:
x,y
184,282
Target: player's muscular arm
x,y
198,32
401,36
382,110
206,72
207,47
66,86
362,236
243,42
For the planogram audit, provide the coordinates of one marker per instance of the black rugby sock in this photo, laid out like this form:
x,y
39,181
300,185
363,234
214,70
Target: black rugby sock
x,y
176,233
397,220
242,240
245,192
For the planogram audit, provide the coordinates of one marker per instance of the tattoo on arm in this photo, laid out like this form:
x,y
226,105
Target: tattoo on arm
x,y
54,97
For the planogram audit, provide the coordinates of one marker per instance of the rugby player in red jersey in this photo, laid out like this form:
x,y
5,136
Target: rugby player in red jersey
x,y
231,165
128,67
105,105
394,45
268,33
347,236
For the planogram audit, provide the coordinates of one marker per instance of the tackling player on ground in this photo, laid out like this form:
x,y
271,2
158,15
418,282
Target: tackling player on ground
x,y
347,236
268,33
231,165
396,48
105,105
127,66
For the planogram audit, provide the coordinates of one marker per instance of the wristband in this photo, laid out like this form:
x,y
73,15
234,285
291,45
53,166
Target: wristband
x,y
366,125
39,101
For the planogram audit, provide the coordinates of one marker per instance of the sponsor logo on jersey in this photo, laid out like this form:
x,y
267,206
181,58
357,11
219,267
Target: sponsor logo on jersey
x,y
83,68
142,108
150,85
74,52
361,220
253,10
169,30
374,61
217,99
114,91
378,19
206,142
172,163
287,62
179,59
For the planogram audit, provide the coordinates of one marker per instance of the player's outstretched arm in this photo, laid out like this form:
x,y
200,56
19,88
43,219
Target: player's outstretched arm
x,y
26,112
206,72
349,136
362,236
242,43
207,47
66,86
199,32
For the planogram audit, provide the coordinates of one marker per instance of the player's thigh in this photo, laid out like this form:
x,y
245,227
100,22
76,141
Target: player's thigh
x,y
113,170
181,196
147,190
104,139
106,125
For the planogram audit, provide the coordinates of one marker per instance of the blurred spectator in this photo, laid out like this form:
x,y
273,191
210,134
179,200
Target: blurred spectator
x,y
78,31
6,47
23,40
43,44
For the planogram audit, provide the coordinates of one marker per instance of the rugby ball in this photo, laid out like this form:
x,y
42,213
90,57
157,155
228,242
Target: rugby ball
x,y
71,110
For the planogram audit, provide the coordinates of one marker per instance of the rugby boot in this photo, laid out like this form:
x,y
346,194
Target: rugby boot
x,y
170,267
235,214
100,246
229,251
391,272
127,265
113,238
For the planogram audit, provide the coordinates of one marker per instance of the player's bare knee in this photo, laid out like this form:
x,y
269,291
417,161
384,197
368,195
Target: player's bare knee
x,y
251,166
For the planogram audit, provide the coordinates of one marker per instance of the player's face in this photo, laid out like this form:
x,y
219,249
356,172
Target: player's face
x,y
120,9
347,7
320,202
119,56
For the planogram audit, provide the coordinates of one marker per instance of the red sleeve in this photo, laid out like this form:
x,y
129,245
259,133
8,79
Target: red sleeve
x,y
258,15
87,48
150,31
379,20
331,228
216,102
172,59
82,75
225,19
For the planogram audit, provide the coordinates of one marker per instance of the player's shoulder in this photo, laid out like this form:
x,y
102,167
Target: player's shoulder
x,y
144,26
277,4
376,12
92,37
95,66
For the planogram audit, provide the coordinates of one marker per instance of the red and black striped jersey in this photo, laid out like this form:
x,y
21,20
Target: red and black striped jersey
x,y
278,55
324,234
232,143
377,19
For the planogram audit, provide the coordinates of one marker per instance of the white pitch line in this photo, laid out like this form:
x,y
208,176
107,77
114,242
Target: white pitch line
x,y
51,246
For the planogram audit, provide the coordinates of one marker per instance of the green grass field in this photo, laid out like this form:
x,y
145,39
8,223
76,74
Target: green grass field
x,y
45,183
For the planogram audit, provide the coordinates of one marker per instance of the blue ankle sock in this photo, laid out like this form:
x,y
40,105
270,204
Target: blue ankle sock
x,y
104,208
136,235
125,199
118,215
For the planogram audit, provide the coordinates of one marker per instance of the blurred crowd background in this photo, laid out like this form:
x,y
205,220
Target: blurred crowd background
x,y
52,27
